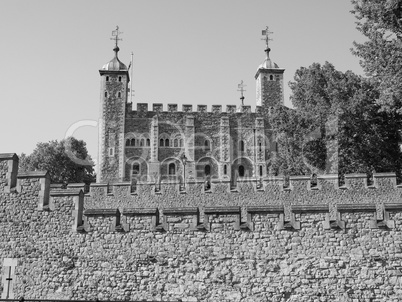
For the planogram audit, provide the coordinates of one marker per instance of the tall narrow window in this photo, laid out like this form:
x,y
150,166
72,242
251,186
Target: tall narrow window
x,y
119,94
161,142
271,77
127,142
241,171
136,169
206,145
260,146
120,79
172,169
181,142
107,78
241,146
142,142
225,169
148,142
133,142
167,142
105,94
176,142
260,170
207,170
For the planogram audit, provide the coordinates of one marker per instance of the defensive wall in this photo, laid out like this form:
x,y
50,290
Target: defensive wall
x,y
258,241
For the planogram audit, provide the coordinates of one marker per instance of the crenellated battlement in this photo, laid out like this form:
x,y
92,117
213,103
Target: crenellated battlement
x,y
169,233
188,108
248,196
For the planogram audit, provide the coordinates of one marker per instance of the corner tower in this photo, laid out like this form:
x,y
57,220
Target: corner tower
x,y
113,99
269,78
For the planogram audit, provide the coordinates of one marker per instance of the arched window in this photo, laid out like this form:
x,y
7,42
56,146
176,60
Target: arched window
x,y
225,169
181,142
260,170
271,77
241,171
127,142
161,142
119,94
107,78
142,141
176,142
172,169
133,142
207,170
260,146
167,142
148,142
105,94
206,145
136,168
241,146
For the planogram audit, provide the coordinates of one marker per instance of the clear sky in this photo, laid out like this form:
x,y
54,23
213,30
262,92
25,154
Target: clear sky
x,y
185,52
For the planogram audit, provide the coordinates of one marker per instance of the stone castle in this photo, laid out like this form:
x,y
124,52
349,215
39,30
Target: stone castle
x,y
226,233
144,145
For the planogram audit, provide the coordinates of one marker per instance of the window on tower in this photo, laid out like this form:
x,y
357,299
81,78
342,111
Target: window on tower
x,y
105,94
119,79
119,94
107,78
271,77
242,146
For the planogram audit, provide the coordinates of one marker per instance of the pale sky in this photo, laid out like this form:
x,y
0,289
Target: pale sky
x,y
185,52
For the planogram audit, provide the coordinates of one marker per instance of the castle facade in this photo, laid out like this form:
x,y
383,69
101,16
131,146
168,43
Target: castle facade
x,y
192,144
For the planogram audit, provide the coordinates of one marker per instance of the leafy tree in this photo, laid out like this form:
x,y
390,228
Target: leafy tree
x,y
66,161
381,22
289,133
338,125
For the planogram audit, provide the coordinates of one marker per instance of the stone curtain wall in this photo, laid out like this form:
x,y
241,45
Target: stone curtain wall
x,y
268,244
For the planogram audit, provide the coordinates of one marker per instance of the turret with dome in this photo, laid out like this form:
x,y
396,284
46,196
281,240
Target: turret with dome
x,y
269,80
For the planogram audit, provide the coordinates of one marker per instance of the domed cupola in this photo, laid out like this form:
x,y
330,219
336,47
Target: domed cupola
x,y
115,64
268,63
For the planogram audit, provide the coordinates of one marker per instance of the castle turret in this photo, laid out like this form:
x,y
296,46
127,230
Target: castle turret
x,y
114,84
269,78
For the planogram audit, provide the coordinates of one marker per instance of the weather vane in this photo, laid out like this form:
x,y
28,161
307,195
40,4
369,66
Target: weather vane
x,y
241,89
115,35
266,33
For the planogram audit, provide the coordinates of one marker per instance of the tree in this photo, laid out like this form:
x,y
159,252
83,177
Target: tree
x,y
381,22
338,124
66,161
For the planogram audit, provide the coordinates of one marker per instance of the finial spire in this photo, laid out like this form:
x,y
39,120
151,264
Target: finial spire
x,y
241,89
115,36
266,33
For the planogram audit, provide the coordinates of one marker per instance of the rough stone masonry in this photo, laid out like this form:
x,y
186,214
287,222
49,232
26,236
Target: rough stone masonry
x,y
248,243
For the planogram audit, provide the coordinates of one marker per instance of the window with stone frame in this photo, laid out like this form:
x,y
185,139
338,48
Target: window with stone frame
x,y
136,168
172,169
241,145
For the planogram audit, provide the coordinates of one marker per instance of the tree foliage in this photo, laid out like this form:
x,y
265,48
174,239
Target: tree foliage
x,y
66,161
336,125
380,21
